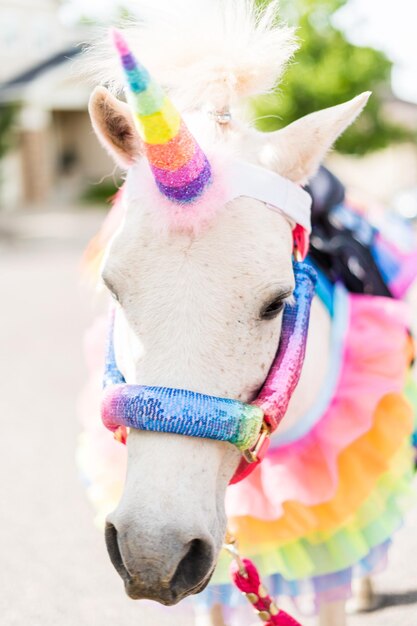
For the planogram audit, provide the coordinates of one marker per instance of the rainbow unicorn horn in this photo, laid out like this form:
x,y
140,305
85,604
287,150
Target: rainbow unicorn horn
x,y
180,168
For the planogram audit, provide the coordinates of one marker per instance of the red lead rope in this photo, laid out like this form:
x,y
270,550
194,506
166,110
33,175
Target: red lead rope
x,y
246,578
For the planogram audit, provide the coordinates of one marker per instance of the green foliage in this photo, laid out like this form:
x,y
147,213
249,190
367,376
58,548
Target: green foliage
x,y
328,70
100,193
8,114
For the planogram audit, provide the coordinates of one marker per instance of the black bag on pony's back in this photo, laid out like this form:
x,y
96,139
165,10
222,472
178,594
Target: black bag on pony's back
x,y
343,242
346,248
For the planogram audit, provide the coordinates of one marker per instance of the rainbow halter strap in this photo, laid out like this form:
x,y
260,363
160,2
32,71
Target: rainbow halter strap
x,y
183,412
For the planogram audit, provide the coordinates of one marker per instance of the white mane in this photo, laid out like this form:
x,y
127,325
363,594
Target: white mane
x,y
217,53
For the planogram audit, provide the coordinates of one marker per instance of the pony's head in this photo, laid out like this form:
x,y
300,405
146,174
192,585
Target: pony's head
x,y
201,268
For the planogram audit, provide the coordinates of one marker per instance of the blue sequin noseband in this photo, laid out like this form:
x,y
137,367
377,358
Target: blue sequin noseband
x,y
183,412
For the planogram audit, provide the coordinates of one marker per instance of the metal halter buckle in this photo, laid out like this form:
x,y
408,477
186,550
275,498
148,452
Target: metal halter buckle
x,y
258,451
221,116
230,545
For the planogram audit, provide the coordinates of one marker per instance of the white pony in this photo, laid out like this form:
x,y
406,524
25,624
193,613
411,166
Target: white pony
x,y
200,296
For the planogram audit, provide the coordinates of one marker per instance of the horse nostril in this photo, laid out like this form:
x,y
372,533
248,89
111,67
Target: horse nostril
x,y
194,567
113,549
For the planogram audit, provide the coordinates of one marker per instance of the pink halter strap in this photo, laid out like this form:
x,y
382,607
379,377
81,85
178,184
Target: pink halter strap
x,y
245,576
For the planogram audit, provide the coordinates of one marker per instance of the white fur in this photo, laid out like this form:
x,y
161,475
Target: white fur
x,y
189,318
206,53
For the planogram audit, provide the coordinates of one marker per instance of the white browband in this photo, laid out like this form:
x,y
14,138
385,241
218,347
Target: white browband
x,y
257,182
246,179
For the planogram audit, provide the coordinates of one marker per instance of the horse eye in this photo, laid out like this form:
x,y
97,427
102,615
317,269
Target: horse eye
x,y
272,309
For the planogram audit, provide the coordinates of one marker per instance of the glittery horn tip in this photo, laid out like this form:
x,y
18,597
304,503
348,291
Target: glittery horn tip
x,y
118,41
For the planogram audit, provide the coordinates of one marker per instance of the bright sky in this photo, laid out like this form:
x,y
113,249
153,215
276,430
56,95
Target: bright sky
x,y
96,9
384,24
390,26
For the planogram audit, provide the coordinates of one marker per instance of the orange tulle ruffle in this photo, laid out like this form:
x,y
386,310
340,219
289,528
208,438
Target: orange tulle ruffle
x,y
360,468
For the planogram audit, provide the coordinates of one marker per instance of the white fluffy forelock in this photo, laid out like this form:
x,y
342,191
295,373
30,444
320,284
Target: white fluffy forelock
x,y
213,52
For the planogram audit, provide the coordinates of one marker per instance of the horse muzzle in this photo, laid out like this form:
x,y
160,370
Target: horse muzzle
x,y
165,569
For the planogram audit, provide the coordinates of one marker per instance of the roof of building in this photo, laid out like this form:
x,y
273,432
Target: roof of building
x,y
40,68
11,88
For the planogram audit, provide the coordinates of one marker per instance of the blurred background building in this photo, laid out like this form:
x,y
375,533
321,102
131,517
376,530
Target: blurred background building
x,y
51,155
50,158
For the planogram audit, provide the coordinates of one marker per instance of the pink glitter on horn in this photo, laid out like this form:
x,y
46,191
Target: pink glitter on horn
x,y
181,170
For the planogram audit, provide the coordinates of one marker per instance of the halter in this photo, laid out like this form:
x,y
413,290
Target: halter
x,y
184,412
182,173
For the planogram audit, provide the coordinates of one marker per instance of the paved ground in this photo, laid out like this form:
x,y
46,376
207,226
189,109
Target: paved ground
x,y
54,569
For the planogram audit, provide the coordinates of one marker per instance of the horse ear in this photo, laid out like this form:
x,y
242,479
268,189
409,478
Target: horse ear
x,y
114,126
297,150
